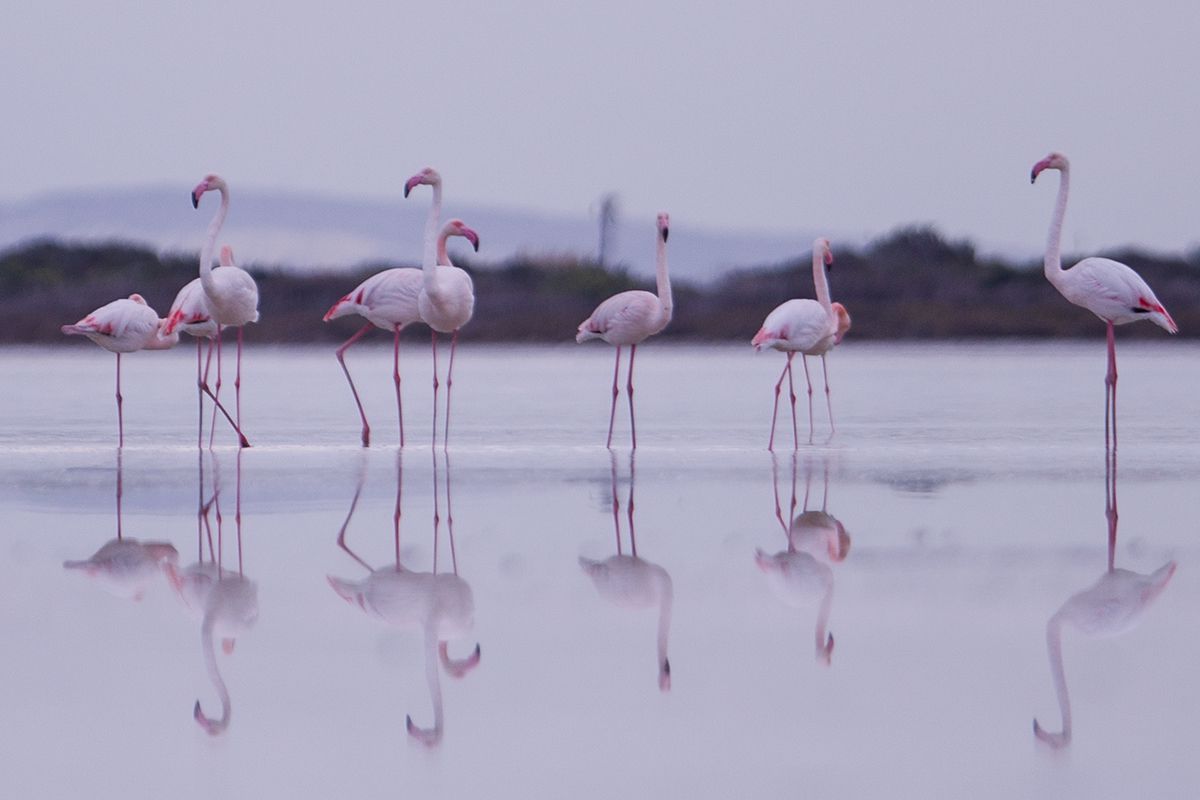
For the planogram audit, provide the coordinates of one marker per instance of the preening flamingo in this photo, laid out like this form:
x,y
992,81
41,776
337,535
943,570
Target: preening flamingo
x,y
230,292
388,300
630,317
1109,289
447,298
124,326
441,606
189,314
629,581
808,327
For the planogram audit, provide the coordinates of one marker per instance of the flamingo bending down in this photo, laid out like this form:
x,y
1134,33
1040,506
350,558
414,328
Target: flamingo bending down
x,y
189,313
447,298
124,326
810,328
630,317
230,292
1109,289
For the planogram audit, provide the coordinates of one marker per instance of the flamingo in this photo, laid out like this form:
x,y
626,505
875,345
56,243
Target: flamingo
x,y
442,605
808,327
447,298
802,573
628,318
629,581
1109,289
189,313
124,326
388,300
230,292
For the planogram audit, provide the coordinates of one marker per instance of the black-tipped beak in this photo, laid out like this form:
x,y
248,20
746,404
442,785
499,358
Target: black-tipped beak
x,y
1033,176
406,191
665,232
195,200
475,243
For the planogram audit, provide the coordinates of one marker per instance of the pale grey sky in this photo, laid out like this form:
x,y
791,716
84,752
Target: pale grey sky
x,y
846,117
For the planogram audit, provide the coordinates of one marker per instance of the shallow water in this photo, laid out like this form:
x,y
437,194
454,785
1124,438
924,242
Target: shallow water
x,y
969,482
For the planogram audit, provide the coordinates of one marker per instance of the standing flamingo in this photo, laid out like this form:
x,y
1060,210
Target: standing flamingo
x,y
628,318
810,328
231,294
388,300
447,298
189,313
1109,289
124,326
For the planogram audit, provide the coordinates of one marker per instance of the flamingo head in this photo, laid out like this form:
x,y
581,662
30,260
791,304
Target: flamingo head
x,y
821,249
456,227
226,256
210,182
428,176
839,549
843,322
664,225
1053,161
137,298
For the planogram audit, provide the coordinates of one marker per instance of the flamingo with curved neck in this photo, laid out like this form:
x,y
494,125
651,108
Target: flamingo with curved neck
x,y
808,327
1109,289
629,318
231,609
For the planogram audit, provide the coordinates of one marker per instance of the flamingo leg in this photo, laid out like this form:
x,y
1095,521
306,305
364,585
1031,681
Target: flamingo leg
x,y
119,493
341,539
828,398
200,397
629,509
792,391
212,422
1110,382
775,408
449,385
808,380
616,503
396,380
237,385
237,508
212,430
629,391
396,513
120,413
612,414
437,514
450,513
341,357
433,334
1110,506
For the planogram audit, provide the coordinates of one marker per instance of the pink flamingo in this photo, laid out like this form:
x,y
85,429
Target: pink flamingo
x,y
447,298
1109,289
630,317
231,293
189,313
388,300
124,326
808,327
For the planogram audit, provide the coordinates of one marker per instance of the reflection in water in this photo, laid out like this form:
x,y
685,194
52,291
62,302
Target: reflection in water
x,y
629,581
802,575
125,567
440,605
224,600
1113,605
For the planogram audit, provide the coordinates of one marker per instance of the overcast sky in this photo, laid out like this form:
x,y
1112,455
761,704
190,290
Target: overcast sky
x,y
847,117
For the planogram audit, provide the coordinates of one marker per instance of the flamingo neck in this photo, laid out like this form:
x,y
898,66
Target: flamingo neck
x,y
1053,261
433,242
210,664
663,278
665,604
1054,651
824,641
210,241
443,257
821,280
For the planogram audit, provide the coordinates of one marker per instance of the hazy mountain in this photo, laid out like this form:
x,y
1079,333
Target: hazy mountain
x,y
310,232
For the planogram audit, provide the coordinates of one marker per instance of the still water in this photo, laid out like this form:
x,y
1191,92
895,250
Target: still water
x,y
870,616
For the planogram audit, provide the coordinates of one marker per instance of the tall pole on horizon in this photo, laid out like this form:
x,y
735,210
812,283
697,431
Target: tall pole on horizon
x,y
608,223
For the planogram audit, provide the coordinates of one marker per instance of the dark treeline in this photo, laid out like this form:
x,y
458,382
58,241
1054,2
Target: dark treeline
x,y
912,284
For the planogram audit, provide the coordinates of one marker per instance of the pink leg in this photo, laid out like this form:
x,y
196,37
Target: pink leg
x,y
775,408
212,420
200,396
450,507
828,399
1110,510
792,393
1110,382
449,385
341,357
119,493
217,406
433,334
616,503
396,514
437,513
120,413
212,430
808,380
612,415
396,380
629,510
237,387
629,391
237,509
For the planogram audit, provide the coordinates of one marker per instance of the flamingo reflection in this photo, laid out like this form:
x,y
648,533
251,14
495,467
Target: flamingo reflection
x,y
802,574
125,567
630,581
441,605
1111,606
224,600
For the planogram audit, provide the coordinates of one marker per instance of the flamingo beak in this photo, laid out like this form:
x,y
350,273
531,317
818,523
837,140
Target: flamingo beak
x,y
412,183
472,237
196,197
1037,170
664,676
665,233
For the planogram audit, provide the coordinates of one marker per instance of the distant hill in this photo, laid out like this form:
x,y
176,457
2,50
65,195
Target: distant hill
x,y
307,233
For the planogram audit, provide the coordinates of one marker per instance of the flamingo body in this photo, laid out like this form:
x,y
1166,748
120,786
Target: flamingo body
x,y
386,299
626,318
798,326
126,567
189,313
1114,293
124,326
447,299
